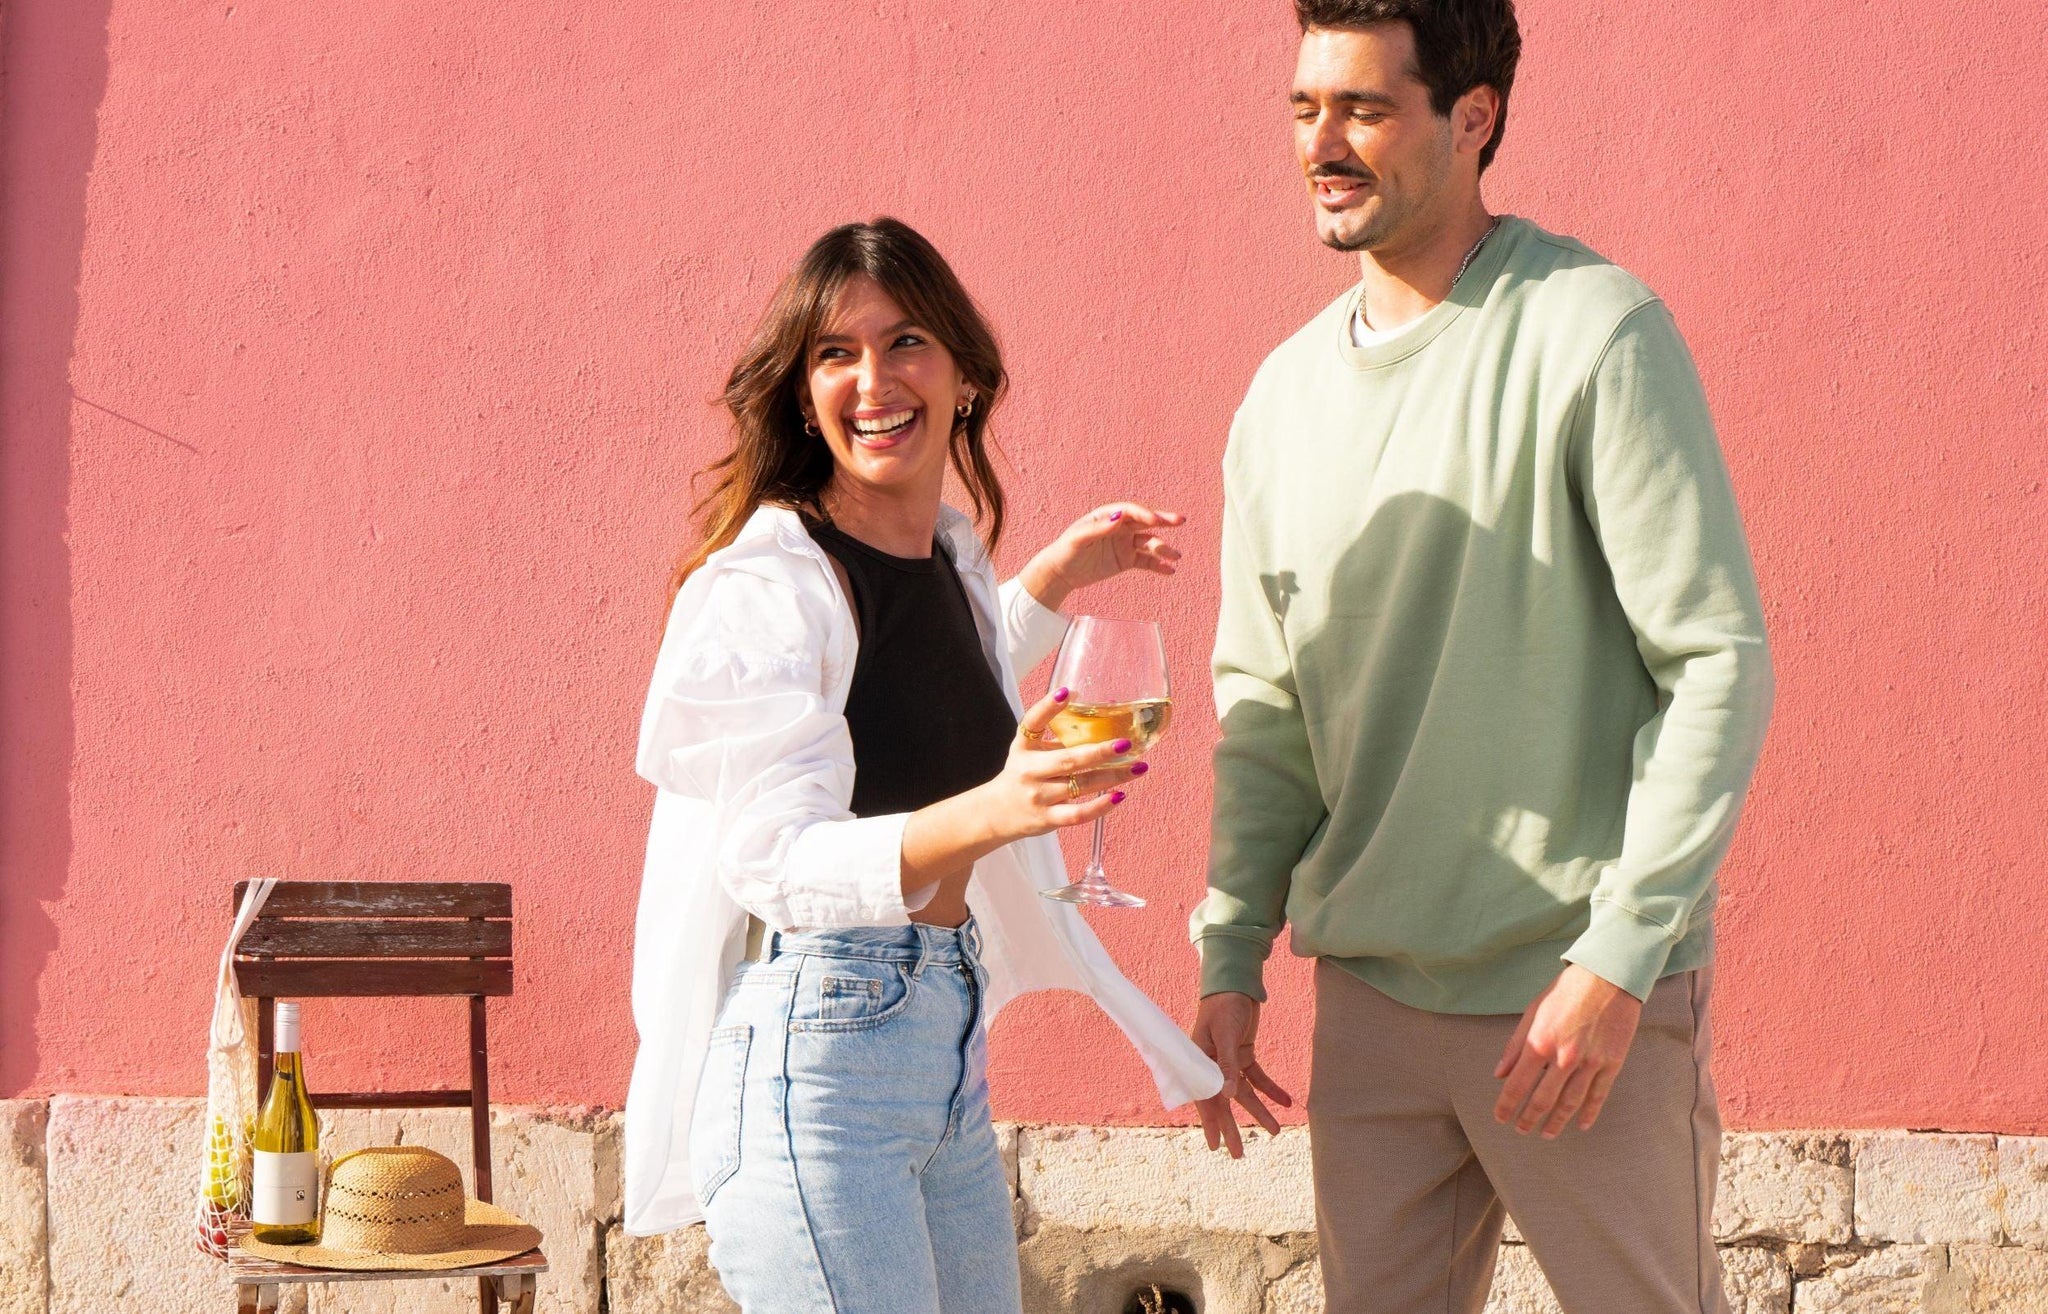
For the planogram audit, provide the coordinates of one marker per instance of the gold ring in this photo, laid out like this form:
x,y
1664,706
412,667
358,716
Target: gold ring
x,y
1073,789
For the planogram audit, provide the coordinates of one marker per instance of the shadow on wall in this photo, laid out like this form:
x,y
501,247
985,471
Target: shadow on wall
x,y
53,59
1430,605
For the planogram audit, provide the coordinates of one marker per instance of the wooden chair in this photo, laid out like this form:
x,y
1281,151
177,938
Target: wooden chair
x,y
378,939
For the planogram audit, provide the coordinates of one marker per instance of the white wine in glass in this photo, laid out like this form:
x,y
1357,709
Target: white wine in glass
x,y
1115,675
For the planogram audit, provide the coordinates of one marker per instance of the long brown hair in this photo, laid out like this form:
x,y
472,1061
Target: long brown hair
x,y
772,459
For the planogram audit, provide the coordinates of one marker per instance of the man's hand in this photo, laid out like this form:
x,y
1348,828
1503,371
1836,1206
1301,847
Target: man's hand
x,y
1565,1055
1226,1025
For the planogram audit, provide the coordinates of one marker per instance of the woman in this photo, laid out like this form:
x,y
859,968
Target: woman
x,y
854,820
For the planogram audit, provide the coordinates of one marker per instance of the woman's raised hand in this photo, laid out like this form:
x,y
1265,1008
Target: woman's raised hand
x,y
1044,787
1112,538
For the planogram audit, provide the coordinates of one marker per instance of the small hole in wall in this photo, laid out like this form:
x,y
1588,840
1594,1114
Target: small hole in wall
x,y
1155,1299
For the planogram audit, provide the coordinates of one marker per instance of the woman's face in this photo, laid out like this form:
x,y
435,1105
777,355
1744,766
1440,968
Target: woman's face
x,y
882,390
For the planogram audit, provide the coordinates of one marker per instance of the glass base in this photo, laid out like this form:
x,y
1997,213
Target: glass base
x,y
1091,895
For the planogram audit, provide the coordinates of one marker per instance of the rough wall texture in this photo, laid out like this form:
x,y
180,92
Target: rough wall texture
x,y
355,370
1809,1223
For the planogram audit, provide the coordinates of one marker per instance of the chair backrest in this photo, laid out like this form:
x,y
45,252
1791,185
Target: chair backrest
x,y
385,939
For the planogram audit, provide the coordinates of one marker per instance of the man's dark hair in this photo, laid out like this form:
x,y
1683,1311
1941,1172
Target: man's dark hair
x,y
1459,45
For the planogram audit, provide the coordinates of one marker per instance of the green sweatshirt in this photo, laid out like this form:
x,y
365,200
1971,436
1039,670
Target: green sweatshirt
x,y
1490,665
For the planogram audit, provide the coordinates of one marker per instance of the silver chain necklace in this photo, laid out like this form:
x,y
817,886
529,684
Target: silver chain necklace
x,y
1462,265
1475,250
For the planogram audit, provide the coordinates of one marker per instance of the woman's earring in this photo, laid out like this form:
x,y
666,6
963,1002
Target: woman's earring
x,y
811,427
965,408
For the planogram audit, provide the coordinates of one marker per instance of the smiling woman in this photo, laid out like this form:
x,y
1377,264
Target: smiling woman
x,y
867,300
855,813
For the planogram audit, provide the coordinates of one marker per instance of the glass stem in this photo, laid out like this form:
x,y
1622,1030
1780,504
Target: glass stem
x,y
1095,875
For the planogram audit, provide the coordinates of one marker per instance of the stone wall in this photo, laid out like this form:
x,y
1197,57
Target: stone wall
x,y
96,1196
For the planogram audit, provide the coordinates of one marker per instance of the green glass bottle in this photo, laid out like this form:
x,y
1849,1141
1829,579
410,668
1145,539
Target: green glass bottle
x,y
285,1208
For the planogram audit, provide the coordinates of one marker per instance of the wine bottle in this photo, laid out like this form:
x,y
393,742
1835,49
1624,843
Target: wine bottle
x,y
285,1207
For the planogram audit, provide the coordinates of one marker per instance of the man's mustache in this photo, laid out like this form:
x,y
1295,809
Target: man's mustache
x,y
1326,173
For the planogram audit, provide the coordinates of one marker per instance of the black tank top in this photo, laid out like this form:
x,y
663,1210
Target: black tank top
x,y
926,713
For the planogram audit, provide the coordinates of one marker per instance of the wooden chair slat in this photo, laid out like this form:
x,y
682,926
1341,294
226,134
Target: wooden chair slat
x,y
397,1099
379,938
385,899
290,978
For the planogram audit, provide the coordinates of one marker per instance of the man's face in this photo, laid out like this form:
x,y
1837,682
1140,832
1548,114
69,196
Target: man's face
x,y
1375,155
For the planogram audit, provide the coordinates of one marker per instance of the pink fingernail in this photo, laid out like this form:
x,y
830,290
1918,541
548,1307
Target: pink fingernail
x,y
1139,768
1121,746
1116,515
1116,796
1059,695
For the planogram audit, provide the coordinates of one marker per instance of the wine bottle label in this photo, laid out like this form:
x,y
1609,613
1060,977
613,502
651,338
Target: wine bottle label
x,y
287,1188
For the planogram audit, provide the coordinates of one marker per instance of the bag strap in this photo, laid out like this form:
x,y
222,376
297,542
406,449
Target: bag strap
x,y
227,995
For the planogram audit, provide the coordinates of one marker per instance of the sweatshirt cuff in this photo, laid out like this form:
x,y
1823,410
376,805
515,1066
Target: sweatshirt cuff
x,y
1233,963
848,873
1622,948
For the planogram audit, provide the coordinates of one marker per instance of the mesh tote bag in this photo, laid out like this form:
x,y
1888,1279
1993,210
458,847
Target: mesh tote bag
x,y
230,1095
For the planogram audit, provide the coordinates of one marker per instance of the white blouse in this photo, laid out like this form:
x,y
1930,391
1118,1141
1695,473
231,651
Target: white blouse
x,y
744,736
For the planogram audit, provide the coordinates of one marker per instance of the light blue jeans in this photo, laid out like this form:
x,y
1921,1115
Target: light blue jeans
x,y
841,1143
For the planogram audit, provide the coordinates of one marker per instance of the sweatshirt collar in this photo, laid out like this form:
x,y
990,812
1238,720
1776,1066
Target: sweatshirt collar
x,y
1469,292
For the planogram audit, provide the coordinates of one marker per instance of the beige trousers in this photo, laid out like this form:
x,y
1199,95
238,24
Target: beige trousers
x,y
1412,1172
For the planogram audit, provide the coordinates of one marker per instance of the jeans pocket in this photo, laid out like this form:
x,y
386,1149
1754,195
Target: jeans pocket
x,y
853,995
715,1123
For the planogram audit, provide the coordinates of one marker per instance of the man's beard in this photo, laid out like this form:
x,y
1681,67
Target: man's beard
x,y
1374,232
1396,209
1379,218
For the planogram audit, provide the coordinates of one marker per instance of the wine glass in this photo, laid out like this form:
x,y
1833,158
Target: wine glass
x,y
1114,672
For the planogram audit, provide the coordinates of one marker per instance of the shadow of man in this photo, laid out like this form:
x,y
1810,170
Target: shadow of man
x,y
1418,756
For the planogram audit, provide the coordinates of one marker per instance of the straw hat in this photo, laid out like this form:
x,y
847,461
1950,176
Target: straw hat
x,y
402,1206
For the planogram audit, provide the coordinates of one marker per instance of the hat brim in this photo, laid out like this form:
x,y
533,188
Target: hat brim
x,y
489,1234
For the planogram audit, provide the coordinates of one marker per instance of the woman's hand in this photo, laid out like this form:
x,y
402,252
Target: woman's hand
x,y
1044,787
1107,541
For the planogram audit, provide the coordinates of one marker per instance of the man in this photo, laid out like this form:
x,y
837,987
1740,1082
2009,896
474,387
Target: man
x,y
1492,679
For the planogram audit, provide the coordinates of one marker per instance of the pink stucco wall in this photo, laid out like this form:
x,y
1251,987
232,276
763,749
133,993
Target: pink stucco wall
x,y
355,364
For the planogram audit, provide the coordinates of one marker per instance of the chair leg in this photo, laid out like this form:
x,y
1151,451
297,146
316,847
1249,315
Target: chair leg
x,y
517,1291
487,1295
253,1299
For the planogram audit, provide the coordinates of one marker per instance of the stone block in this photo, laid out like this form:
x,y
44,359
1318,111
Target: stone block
x,y
1894,1280
1067,1270
1281,1255
557,1169
24,1199
2000,1280
1006,1145
1778,1186
1757,1281
1519,1286
123,1176
1096,1178
666,1274
1925,1187
1297,1291
2023,1189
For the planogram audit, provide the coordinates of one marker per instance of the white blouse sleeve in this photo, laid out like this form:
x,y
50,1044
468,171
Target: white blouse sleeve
x,y
737,717
1030,628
